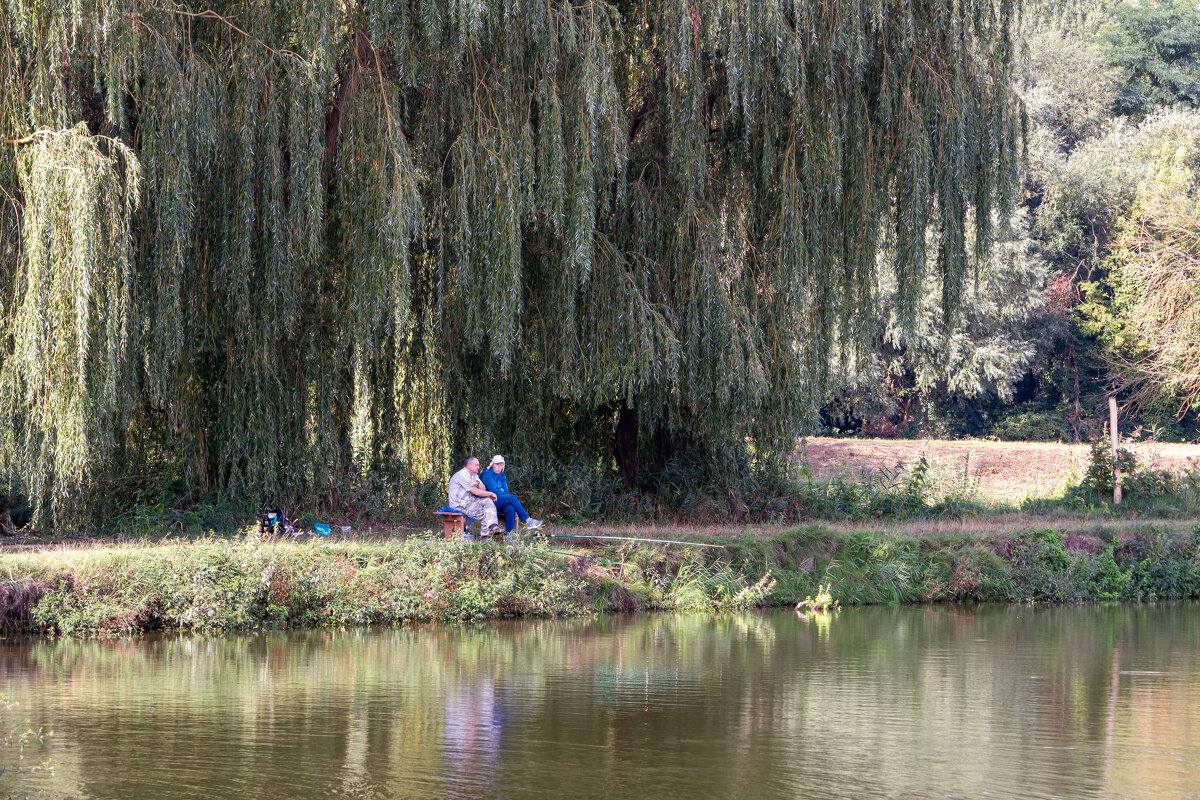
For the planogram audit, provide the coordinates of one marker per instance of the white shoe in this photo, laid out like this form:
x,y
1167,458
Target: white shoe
x,y
532,523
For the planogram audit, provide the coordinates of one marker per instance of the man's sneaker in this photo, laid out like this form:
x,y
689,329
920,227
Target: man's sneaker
x,y
532,523
494,530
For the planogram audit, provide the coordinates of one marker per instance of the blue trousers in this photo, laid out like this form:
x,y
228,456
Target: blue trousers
x,y
508,506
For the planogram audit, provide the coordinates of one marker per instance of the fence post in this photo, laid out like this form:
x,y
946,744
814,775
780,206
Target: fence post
x,y
1112,427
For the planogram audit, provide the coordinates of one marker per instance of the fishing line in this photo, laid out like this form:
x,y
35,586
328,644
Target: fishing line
x,y
634,539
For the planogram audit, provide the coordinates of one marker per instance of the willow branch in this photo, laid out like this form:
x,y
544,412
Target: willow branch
x,y
38,134
208,13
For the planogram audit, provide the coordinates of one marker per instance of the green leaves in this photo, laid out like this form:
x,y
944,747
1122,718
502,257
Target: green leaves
x,y
1157,47
69,370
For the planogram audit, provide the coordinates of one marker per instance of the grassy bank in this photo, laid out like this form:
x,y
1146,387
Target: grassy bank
x,y
217,585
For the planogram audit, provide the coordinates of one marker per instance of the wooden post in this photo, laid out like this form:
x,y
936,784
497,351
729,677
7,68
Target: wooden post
x,y
1112,427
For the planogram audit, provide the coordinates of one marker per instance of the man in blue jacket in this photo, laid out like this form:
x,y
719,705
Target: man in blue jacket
x,y
506,504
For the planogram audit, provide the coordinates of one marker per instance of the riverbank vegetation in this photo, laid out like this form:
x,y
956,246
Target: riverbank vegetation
x,y
217,585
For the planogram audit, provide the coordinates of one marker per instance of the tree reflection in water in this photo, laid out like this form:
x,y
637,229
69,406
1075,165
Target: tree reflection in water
x,y
915,702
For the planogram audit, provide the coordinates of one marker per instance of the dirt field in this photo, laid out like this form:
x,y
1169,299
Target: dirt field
x,y
1001,471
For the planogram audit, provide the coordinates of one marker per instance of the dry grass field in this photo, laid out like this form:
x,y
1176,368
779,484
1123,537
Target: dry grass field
x,y
987,524
1001,472
997,474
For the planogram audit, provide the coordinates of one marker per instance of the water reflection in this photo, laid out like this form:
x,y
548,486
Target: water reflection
x,y
924,702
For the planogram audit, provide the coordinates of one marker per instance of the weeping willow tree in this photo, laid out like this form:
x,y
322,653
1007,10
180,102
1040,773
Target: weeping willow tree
x,y
271,243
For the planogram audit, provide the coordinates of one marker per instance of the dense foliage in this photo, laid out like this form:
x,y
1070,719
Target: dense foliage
x,y
259,246
1157,48
1147,312
1098,295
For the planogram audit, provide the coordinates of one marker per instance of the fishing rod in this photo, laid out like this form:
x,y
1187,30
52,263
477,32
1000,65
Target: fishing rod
x,y
634,539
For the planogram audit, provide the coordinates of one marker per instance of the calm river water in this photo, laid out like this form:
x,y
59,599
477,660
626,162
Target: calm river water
x,y
873,703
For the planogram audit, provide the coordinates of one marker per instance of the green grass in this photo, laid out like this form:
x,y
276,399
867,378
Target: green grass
x,y
226,584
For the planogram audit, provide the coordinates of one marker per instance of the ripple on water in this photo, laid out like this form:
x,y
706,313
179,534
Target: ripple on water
x,y
875,703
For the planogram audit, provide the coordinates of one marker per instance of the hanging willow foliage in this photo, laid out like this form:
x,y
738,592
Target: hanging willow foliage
x,y
65,380
373,232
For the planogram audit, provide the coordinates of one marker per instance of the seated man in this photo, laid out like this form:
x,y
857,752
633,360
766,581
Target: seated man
x,y
507,504
468,495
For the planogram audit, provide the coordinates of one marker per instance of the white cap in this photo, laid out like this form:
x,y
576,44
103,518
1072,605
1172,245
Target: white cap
x,y
497,460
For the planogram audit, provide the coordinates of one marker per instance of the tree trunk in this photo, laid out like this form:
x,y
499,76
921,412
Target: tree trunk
x,y
625,448
347,83
1112,427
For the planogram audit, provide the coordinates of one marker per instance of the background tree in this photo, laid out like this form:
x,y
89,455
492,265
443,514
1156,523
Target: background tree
x,y
939,371
1147,310
1156,46
1097,79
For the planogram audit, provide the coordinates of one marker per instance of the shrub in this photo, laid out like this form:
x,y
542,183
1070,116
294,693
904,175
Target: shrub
x,y
1101,577
1098,478
1040,566
1032,426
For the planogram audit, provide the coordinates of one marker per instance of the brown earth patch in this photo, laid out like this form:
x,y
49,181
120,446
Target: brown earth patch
x,y
1000,471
